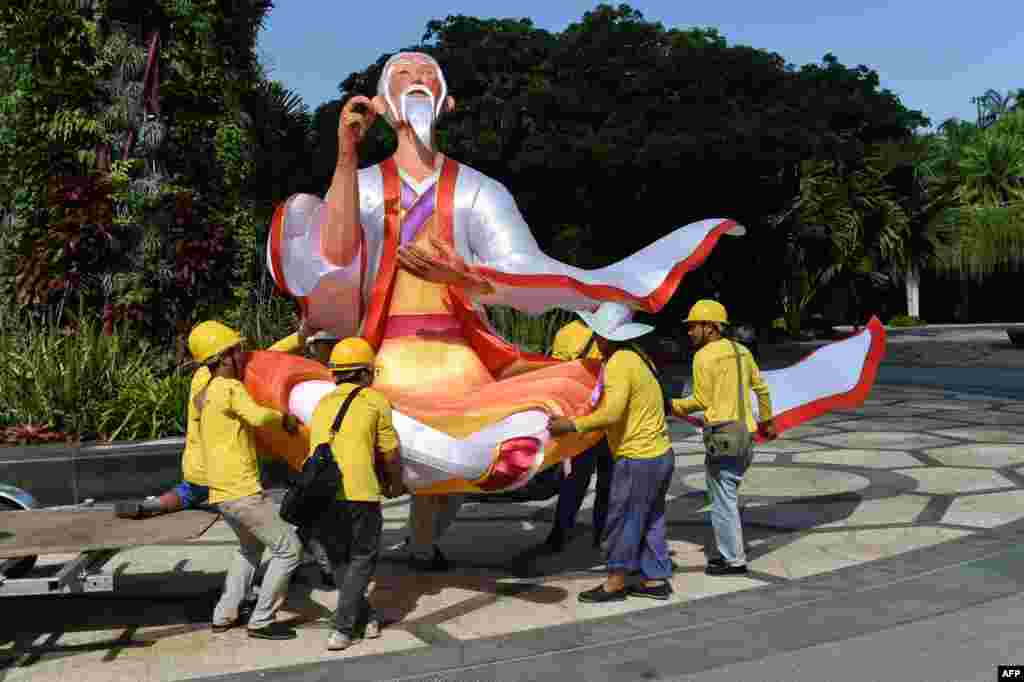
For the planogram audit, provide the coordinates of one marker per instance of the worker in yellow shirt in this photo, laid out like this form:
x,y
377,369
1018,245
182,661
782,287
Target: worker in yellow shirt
x,y
631,410
574,341
192,492
350,530
227,413
723,371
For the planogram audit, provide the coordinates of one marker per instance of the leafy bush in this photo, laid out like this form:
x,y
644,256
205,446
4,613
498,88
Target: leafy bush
x,y
906,321
80,381
533,333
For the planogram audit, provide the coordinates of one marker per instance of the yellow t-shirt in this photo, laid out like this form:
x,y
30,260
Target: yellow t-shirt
x,y
570,341
632,409
232,470
365,431
193,467
715,385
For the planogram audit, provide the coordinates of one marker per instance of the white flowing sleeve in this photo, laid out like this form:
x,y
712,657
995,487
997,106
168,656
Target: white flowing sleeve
x,y
334,296
524,277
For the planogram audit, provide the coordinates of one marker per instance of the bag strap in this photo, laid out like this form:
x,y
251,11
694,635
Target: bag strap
x,y
739,385
647,361
586,347
344,408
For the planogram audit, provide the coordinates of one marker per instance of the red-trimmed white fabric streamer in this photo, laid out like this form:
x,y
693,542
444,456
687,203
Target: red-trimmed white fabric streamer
x,y
837,375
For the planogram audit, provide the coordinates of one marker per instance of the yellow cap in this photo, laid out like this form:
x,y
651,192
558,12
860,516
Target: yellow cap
x,y
209,339
707,310
351,353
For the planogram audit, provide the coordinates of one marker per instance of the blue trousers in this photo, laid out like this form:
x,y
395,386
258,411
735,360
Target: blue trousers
x,y
635,530
724,476
574,488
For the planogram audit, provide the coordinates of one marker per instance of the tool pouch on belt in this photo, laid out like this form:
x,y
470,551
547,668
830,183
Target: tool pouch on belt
x,y
732,438
318,484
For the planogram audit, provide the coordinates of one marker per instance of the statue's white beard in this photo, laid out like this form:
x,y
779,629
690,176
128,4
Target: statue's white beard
x,y
418,112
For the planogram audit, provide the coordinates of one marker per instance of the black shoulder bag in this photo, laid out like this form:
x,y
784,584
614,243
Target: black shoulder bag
x,y
318,484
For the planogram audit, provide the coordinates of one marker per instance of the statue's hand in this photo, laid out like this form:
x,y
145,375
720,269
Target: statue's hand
x,y
443,267
356,118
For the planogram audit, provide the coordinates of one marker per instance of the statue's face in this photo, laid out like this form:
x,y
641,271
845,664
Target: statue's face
x,y
414,71
415,95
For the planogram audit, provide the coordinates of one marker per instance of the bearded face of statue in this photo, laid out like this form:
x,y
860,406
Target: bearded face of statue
x,y
413,91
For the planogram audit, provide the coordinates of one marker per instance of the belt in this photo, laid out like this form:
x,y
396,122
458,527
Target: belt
x,y
440,325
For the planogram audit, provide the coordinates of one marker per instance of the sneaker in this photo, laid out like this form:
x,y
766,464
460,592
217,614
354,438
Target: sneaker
x,y
660,591
273,631
128,510
725,569
339,641
372,629
436,563
599,596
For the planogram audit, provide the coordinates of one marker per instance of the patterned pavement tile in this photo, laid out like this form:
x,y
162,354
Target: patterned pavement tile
x,y
873,459
978,454
882,440
983,434
986,511
950,480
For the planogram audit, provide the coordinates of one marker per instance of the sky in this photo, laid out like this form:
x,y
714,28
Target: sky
x,y
934,57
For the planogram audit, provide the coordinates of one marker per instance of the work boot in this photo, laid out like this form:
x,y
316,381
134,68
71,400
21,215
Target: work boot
x,y
273,631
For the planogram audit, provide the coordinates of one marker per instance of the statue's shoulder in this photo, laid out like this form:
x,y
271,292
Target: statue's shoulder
x,y
475,184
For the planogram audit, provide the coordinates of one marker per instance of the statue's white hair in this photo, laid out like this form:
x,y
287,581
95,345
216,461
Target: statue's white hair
x,y
385,76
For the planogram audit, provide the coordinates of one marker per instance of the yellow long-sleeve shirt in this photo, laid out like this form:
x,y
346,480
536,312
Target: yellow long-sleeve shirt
x,y
193,465
366,431
232,470
570,341
715,385
631,411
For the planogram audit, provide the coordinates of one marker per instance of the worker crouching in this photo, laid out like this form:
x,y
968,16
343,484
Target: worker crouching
x,y
355,421
227,413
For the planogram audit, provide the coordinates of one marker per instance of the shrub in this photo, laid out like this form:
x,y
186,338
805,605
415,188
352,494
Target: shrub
x,y
78,380
533,333
906,321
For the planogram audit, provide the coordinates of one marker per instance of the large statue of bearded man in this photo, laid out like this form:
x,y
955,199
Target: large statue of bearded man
x,y
406,252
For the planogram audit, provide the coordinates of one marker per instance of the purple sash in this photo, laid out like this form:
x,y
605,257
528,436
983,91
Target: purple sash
x,y
417,212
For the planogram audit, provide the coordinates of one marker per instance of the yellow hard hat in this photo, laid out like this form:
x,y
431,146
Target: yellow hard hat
x,y
707,310
209,339
351,353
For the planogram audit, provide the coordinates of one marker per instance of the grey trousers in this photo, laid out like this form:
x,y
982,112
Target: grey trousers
x,y
256,522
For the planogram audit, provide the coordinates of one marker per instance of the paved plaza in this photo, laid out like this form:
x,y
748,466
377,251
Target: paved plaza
x,y
917,481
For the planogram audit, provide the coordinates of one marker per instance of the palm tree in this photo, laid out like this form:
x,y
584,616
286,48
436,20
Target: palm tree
x,y
847,220
988,216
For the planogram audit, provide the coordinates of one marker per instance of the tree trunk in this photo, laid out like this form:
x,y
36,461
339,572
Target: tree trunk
x,y
914,292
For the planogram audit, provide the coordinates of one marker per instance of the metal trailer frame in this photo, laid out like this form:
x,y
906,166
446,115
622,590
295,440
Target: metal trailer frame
x,y
78,576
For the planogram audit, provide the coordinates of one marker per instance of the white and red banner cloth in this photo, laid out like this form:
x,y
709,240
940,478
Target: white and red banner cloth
x,y
838,375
